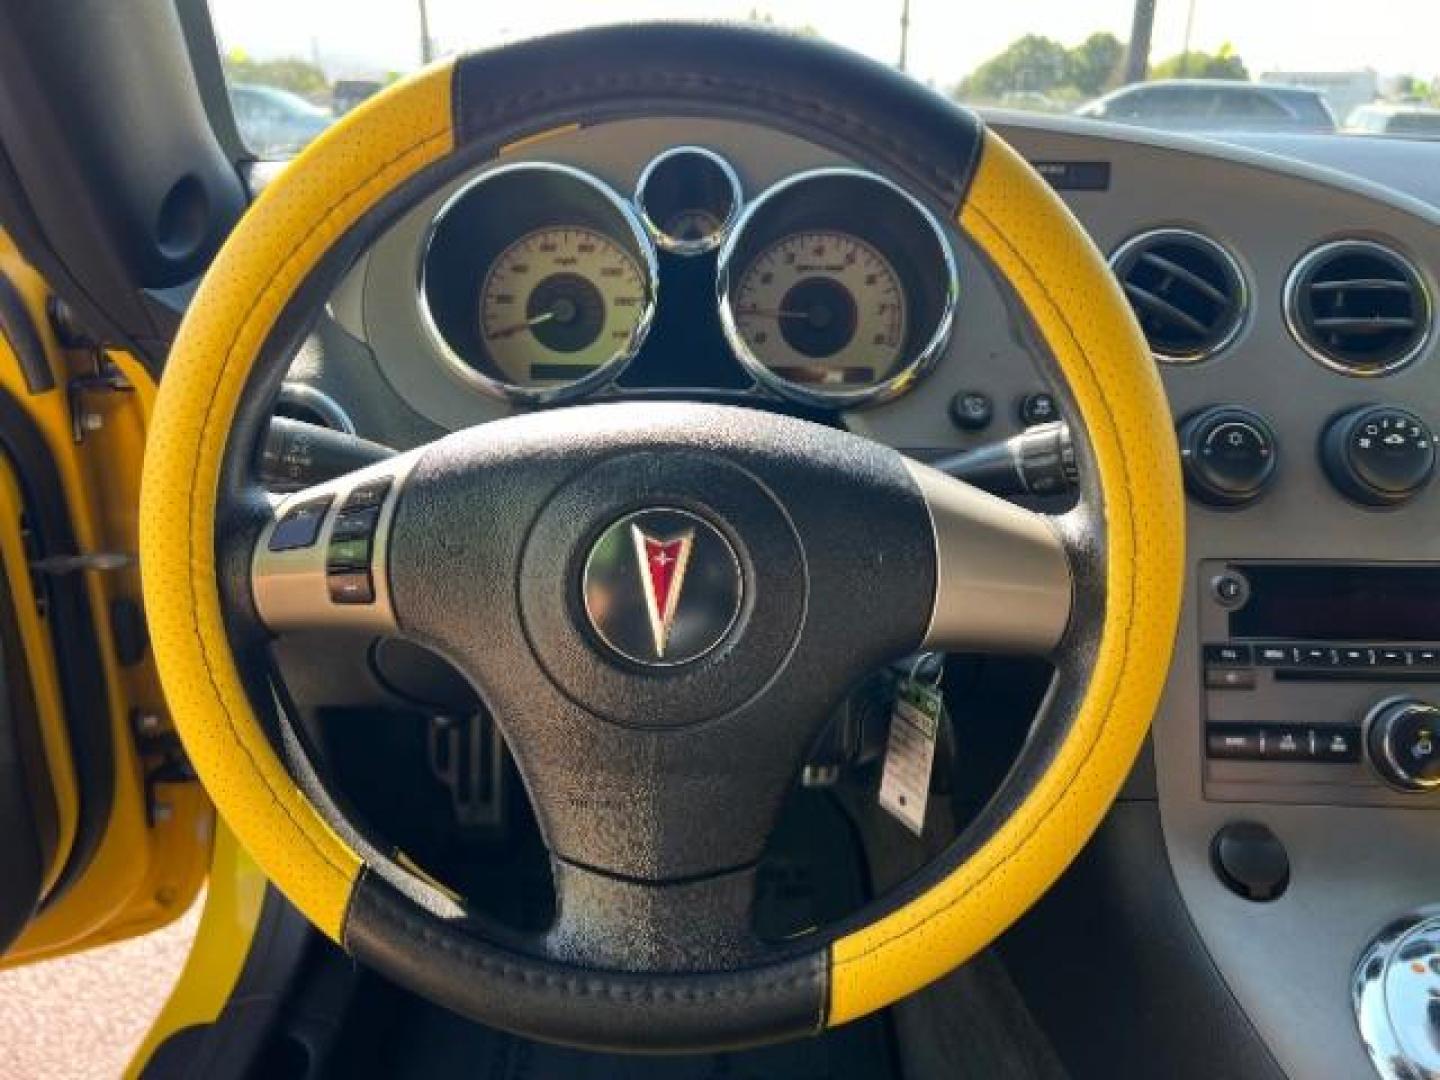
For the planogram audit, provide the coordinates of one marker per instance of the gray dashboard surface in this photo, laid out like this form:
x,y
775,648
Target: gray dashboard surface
x,y
1354,868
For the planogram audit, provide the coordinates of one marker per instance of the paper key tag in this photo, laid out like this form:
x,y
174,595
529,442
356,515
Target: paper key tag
x,y
910,753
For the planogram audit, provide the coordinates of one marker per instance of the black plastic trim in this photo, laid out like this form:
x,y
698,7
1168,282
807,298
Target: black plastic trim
x,y
1115,972
23,335
72,628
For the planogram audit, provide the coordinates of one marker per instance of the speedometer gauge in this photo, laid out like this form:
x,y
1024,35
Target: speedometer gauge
x,y
537,283
823,308
558,303
837,288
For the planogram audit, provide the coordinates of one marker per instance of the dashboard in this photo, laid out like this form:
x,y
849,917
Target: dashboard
x,y
1291,309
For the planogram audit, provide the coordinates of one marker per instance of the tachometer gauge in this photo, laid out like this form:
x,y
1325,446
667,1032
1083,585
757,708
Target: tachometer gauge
x,y
823,309
837,289
537,283
558,303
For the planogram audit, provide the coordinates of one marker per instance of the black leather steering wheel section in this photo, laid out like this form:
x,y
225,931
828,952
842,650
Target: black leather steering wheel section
x,y
797,84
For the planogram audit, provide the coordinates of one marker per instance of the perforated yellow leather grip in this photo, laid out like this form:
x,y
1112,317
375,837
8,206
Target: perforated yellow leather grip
x,y
300,216
1041,250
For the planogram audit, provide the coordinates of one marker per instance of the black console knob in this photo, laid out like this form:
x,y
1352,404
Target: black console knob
x,y
1378,455
1229,454
1402,739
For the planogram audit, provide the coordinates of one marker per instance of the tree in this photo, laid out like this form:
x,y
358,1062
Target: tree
x,y
1224,64
1031,64
293,74
1093,66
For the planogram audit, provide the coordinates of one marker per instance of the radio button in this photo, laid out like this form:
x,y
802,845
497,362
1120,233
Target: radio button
x,y
1233,743
1230,678
1229,655
1425,657
1353,657
1285,744
1315,656
1393,657
1274,655
1337,745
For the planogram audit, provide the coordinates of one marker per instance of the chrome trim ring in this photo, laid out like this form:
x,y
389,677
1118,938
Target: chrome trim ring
x,y
603,375
1292,321
908,375
1243,304
674,245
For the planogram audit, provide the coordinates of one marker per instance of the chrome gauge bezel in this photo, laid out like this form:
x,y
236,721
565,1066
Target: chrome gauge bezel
x,y
675,245
909,373
1243,301
1290,301
601,376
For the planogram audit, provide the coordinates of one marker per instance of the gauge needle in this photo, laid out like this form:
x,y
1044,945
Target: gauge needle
x,y
515,328
774,313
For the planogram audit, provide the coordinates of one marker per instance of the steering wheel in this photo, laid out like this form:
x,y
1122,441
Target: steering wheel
x,y
514,549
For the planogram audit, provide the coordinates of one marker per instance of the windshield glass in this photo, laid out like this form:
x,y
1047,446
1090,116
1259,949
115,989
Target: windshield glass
x,y
1180,65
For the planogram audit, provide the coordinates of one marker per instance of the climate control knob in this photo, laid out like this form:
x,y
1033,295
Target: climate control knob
x,y
1402,741
1378,455
1229,454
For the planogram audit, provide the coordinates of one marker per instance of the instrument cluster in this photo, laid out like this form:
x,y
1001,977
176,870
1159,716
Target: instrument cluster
x,y
539,283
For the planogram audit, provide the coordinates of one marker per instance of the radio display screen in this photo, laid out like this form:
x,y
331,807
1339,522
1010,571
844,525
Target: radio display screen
x,y
1339,603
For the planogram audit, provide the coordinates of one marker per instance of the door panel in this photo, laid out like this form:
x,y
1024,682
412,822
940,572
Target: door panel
x,y
129,834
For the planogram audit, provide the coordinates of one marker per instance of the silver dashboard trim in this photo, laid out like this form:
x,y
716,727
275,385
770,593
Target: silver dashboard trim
x,y
1291,300
604,374
899,383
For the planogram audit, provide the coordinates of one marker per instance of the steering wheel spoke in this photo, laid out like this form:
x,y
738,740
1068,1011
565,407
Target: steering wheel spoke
x,y
322,561
1003,577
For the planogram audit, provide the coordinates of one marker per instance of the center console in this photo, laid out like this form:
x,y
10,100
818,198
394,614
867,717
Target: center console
x,y
1320,683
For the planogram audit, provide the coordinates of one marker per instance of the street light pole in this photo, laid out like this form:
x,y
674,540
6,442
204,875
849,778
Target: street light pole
x,y
1185,50
1137,56
427,51
904,32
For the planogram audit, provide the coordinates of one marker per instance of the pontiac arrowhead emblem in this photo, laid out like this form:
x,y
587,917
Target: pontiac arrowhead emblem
x,y
663,563
662,587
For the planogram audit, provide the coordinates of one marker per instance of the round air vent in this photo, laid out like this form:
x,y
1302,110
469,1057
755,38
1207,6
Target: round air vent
x,y
1358,307
1187,292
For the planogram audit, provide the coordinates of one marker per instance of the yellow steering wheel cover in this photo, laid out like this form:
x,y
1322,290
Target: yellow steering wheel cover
x,y
1042,251
1035,244
298,218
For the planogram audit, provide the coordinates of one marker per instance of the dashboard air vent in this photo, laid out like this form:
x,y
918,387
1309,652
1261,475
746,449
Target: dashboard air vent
x,y
1187,292
1358,307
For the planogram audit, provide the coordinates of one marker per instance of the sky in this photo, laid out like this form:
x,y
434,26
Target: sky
x,y
948,38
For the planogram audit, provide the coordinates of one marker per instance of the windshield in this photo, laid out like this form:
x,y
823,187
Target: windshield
x,y
1182,65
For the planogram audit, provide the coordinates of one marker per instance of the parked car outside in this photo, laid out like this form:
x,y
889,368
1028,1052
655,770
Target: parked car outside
x,y
275,122
1214,105
1384,118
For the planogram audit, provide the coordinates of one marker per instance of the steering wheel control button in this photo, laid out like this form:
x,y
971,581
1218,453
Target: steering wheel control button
x,y
348,554
1378,455
1229,455
351,587
1251,861
662,587
300,527
367,496
1402,740
1038,408
971,410
353,524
